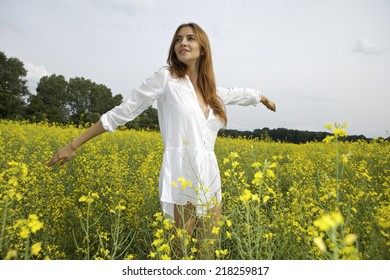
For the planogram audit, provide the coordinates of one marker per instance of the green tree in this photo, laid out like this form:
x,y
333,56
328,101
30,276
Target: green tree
x,y
88,100
51,101
146,120
13,89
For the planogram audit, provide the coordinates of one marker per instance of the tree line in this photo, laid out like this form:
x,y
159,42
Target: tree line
x,y
286,135
81,100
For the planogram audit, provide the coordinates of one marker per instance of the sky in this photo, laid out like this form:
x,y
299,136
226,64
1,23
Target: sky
x,y
320,61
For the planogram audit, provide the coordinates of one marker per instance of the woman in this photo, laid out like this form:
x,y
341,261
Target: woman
x,y
191,111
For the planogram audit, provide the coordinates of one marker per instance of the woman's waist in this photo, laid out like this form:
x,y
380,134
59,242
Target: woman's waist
x,y
200,148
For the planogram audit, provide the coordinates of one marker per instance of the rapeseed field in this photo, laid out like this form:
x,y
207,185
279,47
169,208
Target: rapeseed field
x,y
327,200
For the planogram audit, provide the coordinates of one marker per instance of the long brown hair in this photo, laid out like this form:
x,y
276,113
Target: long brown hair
x,y
206,78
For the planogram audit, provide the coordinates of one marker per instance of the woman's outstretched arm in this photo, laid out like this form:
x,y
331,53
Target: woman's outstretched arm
x,y
244,97
67,152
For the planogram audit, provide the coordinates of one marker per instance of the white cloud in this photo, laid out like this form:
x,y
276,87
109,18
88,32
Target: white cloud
x,y
367,47
34,74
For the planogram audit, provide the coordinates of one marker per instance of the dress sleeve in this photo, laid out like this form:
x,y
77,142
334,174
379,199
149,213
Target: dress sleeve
x,y
139,100
239,96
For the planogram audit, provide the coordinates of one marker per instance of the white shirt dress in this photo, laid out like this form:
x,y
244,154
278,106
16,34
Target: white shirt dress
x,y
189,171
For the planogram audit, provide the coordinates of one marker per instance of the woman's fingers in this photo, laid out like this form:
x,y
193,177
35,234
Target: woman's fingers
x,y
62,156
54,160
271,105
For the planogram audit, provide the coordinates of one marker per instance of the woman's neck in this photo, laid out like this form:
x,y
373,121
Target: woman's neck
x,y
192,73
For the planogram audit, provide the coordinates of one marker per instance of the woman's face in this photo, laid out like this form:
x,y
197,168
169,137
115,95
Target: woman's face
x,y
187,48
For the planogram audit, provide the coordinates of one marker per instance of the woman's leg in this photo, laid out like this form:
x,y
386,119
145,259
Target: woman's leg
x,y
209,240
185,220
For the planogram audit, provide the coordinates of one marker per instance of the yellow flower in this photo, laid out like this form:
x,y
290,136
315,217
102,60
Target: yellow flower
x,y
228,223
328,126
337,218
24,232
19,197
270,173
255,197
157,242
224,252
329,221
258,175
33,217
181,180
158,216
184,183
328,139
152,254
320,243
235,164
349,239
228,235
219,253
120,207
167,224
13,181
130,257
95,195
256,164
165,257
233,155
246,196
180,232
36,248
344,159
82,198
159,233
164,248
338,132
215,230
34,224
257,178
11,254
266,198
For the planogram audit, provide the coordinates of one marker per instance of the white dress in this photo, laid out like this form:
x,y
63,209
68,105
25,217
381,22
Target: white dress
x,y
189,171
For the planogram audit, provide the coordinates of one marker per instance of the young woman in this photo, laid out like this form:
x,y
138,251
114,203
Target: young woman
x,y
191,111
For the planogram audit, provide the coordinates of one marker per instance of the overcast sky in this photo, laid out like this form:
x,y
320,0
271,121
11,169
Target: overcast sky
x,y
320,60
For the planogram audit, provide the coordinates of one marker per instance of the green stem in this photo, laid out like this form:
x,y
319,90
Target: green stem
x,y
4,222
337,175
249,235
87,231
27,248
335,245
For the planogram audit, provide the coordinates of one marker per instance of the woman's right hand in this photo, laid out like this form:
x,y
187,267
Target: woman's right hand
x,y
63,155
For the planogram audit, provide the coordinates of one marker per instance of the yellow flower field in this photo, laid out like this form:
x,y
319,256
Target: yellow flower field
x,y
325,200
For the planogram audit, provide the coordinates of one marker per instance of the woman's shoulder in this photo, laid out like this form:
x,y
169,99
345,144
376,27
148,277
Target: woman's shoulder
x,y
165,72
